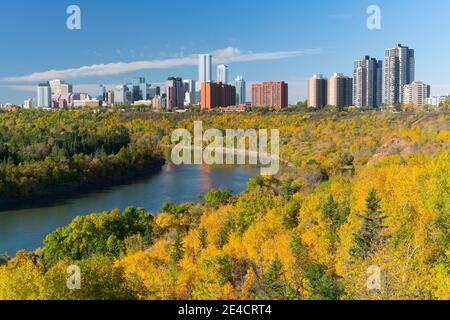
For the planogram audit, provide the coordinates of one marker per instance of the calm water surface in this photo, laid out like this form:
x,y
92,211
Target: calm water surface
x,y
26,227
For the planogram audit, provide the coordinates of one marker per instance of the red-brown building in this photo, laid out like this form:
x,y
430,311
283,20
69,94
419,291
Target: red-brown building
x,y
270,94
217,94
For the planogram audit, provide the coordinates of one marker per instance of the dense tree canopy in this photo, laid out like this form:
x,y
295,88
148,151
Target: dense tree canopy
x,y
365,190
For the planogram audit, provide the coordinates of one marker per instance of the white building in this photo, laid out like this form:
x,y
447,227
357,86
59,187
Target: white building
x,y
416,93
44,95
122,95
28,104
241,90
60,87
222,74
189,92
204,68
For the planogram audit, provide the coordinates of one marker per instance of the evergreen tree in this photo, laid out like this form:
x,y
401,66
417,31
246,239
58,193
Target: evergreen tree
x,y
275,285
369,239
202,236
322,285
177,250
148,237
330,210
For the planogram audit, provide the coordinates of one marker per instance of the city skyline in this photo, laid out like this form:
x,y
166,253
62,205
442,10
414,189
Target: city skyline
x,y
99,58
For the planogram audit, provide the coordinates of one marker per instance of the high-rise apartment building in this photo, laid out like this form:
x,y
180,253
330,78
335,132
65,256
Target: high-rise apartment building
x,y
270,94
416,93
217,94
44,95
241,90
175,93
368,82
340,91
205,68
317,91
399,64
222,74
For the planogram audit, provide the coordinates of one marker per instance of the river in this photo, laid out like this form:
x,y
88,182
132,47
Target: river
x,y
25,227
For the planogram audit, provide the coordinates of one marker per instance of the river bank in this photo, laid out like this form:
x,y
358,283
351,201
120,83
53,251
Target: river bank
x,y
85,186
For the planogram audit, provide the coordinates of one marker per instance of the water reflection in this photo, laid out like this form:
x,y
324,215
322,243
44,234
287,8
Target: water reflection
x,y
25,227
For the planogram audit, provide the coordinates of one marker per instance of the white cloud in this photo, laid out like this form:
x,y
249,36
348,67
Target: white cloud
x,y
227,55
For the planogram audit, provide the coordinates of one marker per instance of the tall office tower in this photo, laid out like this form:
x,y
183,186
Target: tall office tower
x,y
270,94
174,93
66,88
122,95
60,87
222,74
368,82
190,94
317,91
101,93
416,93
340,91
138,89
204,68
217,94
44,95
241,90
151,92
399,64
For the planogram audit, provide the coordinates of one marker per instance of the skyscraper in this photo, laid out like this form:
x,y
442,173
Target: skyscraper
x,y
317,91
205,68
174,93
138,89
416,93
190,92
60,87
340,91
101,93
44,95
399,70
368,82
222,74
241,90
270,94
122,95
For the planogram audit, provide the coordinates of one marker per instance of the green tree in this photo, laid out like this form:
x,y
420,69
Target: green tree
x,y
274,284
177,249
216,197
322,285
369,238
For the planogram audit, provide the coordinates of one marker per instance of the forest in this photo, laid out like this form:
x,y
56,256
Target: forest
x,y
368,194
40,151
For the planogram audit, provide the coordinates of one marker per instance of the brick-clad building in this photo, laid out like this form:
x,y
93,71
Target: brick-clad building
x,y
217,94
270,94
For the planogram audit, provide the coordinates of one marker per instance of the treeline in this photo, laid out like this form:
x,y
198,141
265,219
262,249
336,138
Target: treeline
x,y
42,150
369,199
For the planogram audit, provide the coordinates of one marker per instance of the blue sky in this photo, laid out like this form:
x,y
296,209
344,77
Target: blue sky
x,y
262,40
